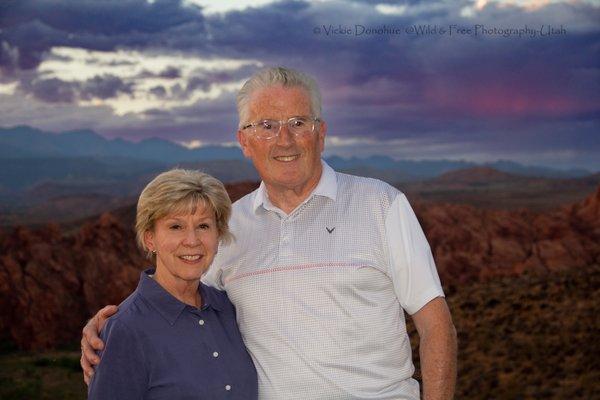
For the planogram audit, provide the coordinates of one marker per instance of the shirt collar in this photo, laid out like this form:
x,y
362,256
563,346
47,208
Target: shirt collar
x,y
326,187
166,304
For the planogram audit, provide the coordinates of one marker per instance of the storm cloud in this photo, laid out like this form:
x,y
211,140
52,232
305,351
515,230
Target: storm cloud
x,y
455,79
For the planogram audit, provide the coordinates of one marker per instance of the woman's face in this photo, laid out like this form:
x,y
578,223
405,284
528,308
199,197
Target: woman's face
x,y
185,244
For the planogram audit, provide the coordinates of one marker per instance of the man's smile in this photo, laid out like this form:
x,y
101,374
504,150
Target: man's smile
x,y
287,158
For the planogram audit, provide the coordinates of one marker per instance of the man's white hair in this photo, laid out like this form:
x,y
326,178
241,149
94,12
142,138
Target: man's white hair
x,y
283,76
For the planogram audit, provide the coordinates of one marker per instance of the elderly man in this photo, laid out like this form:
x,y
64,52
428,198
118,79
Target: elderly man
x,y
323,265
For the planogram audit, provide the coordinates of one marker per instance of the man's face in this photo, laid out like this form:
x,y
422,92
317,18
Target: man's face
x,y
286,161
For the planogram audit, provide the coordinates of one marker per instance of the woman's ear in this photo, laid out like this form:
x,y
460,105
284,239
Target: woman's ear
x,y
149,240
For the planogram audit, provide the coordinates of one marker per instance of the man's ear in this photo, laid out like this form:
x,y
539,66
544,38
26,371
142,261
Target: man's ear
x,y
322,134
243,141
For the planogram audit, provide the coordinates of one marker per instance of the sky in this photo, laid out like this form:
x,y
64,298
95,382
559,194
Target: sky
x,y
465,80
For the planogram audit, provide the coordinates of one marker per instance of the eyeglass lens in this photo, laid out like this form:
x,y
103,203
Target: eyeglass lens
x,y
296,126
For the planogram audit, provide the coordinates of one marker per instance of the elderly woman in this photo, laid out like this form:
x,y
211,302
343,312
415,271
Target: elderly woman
x,y
173,337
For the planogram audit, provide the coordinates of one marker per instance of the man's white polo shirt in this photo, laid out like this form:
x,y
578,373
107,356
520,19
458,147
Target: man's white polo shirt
x,y
319,293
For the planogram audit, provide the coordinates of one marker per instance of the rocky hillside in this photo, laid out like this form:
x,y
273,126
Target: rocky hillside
x,y
472,244
51,281
528,337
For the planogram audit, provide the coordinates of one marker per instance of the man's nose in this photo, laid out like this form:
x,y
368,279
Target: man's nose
x,y
285,137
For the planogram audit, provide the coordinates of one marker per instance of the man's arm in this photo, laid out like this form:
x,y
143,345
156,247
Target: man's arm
x,y
91,342
437,349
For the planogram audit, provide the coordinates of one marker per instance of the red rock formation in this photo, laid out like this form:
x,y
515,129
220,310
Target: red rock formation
x,y
475,244
51,281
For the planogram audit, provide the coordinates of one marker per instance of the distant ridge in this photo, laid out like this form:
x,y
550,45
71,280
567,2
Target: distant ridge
x,y
478,175
390,170
44,174
27,142
24,142
486,187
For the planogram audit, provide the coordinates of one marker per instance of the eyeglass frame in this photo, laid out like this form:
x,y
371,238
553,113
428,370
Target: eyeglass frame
x,y
280,123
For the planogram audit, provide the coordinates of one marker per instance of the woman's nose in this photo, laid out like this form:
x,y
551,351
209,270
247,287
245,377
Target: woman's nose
x,y
192,237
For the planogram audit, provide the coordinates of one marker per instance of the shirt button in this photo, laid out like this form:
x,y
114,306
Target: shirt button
x,y
227,387
201,322
215,354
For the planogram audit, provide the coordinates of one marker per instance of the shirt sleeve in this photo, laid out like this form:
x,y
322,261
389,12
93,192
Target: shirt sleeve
x,y
121,373
413,271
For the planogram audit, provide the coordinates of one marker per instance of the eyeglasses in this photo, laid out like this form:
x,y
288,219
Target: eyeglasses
x,y
270,128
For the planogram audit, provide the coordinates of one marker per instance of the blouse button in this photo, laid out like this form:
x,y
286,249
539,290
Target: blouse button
x,y
215,354
227,387
201,322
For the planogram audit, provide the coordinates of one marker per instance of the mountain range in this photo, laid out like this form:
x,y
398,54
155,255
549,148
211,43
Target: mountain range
x,y
27,142
69,175
29,156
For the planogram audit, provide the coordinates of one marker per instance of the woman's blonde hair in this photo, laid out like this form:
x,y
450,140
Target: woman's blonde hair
x,y
180,191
